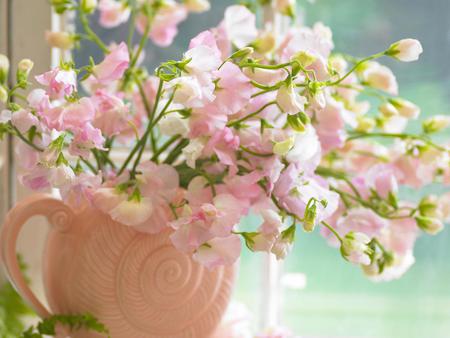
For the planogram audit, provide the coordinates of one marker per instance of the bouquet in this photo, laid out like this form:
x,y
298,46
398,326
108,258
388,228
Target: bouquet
x,y
249,120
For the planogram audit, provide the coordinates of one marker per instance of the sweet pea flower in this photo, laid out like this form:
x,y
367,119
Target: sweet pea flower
x,y
380,77
113,13
174,124
5,116
355,248
59,83
234,89
23,120
85,139
61,176
436,123
112,114
289,100
282,246
71,117
269,231
36,178
39,100
193,151
189,92
164,26
79,193
219,251
224,144
381,178
406,50
62,40
114,65
240,25
361,220
306,150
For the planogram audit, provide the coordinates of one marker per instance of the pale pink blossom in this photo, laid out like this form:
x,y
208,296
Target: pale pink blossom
x,y
219,251
406,50
289,100
113,13
361,220
112,114
224,144
355,248
59,82
36,179
23,120
380,77
240,25
381,178
85,139
79,193
114,65
234,89
164,26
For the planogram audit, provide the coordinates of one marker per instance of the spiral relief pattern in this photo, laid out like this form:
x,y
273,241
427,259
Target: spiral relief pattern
x,y
140,286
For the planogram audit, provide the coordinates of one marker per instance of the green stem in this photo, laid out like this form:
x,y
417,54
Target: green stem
x,y
329,227
254,153
237,122
91,34
164,147
24,139
355,67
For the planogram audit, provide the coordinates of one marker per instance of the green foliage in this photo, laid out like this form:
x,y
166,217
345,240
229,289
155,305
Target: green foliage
x,y
12,310
74,322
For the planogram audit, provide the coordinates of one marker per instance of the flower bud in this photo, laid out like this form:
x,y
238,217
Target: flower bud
x,y
365,124
3,94
303,58
388,110
283,147
405,50
23,71
430,225
355,248
406,108
283,244
197,6
435,124
428,206
285,7
309,222
265,43
88,6
62,40
4,68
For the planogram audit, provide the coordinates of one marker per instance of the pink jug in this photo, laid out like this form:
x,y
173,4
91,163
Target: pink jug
x,y
137,284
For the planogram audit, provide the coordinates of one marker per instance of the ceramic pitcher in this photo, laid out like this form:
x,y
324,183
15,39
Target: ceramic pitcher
x,y
138,285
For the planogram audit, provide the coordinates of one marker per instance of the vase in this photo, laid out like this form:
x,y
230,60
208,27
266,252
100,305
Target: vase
x,y
137,284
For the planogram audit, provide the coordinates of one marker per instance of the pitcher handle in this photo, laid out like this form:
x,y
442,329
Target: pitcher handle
x,y
57,213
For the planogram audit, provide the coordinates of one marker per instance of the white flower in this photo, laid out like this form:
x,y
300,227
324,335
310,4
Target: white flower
x,y
282,247
174,124
188,92
193,151
406,50
388,109
4,66
282,148
289,101
306,146
197,6
355,248
380,77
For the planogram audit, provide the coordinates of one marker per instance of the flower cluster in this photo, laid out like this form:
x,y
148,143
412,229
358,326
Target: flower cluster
x,y
248,121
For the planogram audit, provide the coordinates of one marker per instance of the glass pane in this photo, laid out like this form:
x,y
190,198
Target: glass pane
x,y
338,301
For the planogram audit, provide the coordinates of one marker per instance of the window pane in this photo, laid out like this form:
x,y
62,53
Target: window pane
x,y
338,300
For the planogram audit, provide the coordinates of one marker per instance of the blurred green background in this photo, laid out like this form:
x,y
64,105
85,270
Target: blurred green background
x,y
338,300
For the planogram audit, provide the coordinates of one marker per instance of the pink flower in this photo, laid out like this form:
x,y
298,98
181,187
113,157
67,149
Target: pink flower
x,y
112,114
219,251
114,65
380,77
224,144
113,13
86,138
240,25
36,179
39,100
23,120
381,178
59,83
164,26
71,117
330,125
234,89
361,220
79,193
